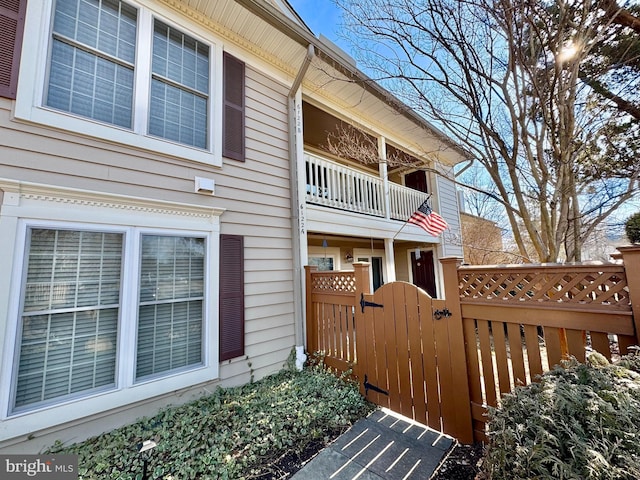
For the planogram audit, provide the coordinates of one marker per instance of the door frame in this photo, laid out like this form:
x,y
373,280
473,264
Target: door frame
x,y
368,253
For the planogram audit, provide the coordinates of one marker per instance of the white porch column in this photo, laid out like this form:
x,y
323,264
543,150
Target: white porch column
x,y
390,260
389,256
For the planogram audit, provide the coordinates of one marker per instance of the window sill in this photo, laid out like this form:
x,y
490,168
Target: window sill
x,y
28,421
83,126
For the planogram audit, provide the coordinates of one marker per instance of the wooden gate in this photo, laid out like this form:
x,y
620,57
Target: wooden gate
x,y
406,360
444,362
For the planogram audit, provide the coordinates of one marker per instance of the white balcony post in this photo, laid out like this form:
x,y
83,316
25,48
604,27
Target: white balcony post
x,y
382,169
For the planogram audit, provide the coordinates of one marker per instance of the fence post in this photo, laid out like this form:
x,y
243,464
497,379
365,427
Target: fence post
x,y
457,349
312,329
361,275
631,260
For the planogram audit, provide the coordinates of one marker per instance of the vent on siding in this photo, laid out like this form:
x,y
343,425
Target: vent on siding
x,y
233,122
11,30
231,296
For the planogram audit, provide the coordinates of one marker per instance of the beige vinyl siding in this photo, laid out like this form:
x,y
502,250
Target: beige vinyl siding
x,y
255,194
448,209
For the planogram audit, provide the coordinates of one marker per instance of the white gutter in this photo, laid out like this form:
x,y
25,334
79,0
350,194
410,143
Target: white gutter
x,y
298,237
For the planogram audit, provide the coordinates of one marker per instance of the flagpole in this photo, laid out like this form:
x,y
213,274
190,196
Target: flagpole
x,y
398,232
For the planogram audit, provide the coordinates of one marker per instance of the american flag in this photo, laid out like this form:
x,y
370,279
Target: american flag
x,y
428,220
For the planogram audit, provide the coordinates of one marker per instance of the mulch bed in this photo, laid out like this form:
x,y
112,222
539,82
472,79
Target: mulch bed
x,y
462,463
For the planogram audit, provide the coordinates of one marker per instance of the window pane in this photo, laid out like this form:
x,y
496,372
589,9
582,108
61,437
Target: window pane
x,y
108,26
170,313
93,82
323,263
70,314
177,57
180,87
178,115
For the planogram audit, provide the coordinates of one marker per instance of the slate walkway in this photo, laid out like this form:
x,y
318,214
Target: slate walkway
x,y
382,446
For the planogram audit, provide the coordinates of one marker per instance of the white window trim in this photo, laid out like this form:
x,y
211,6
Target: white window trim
x,y
29,104
30,205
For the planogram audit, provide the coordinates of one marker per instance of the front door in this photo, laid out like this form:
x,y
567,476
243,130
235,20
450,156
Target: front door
x,y
424,273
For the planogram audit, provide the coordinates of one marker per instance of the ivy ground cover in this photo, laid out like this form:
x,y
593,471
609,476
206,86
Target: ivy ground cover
x,y
234,433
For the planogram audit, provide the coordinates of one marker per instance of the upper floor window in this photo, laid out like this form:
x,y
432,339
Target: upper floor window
x,y
130,73
179,87
91,70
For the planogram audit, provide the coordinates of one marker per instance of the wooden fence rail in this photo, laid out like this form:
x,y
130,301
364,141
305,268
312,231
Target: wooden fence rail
x,y
514,322
520,321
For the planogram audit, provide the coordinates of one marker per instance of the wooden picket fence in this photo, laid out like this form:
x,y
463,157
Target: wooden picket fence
x,y
504,325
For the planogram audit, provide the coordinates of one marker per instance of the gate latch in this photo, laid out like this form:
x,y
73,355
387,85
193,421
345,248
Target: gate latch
x,y
368,386
364,303
438,314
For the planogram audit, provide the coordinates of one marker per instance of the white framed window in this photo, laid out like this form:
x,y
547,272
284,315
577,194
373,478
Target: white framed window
x,y
70,310
70,343
123,71
112,300
325,259
170,304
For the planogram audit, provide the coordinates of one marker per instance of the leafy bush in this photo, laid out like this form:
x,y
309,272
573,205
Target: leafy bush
x,y
232,433
578,422
632,228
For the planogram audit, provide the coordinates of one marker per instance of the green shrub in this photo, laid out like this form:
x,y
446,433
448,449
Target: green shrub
x,y
232,433
632,228
578,422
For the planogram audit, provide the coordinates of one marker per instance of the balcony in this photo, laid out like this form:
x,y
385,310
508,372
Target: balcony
x,y
333,185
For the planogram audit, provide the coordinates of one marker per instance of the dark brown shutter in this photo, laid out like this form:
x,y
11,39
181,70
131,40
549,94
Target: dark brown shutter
x,y
231,296
11,28
233,121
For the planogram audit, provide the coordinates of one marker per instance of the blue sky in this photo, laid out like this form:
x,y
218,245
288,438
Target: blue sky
x,y
321,16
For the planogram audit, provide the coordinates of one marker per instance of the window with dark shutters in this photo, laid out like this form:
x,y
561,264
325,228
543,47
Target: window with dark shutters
x,y
231,296
11,29
233,121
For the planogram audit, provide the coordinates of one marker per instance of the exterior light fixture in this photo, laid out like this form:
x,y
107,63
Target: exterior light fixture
x,y
143,449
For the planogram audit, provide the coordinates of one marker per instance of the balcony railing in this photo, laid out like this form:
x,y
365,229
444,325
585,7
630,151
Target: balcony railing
x,y
337,186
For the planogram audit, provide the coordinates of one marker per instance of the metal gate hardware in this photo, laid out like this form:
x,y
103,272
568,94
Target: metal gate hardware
x,y
368,386
363,303
438,314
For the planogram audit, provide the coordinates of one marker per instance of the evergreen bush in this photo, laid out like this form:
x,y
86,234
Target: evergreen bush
x,y
632,228
579,421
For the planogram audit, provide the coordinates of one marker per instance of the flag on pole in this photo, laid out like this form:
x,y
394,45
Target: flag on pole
x,y
428,220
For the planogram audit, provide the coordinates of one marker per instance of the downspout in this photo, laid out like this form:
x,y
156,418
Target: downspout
x,y
294,137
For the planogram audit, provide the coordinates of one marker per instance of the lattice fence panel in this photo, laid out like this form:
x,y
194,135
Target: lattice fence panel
x,y
334,282
571,285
